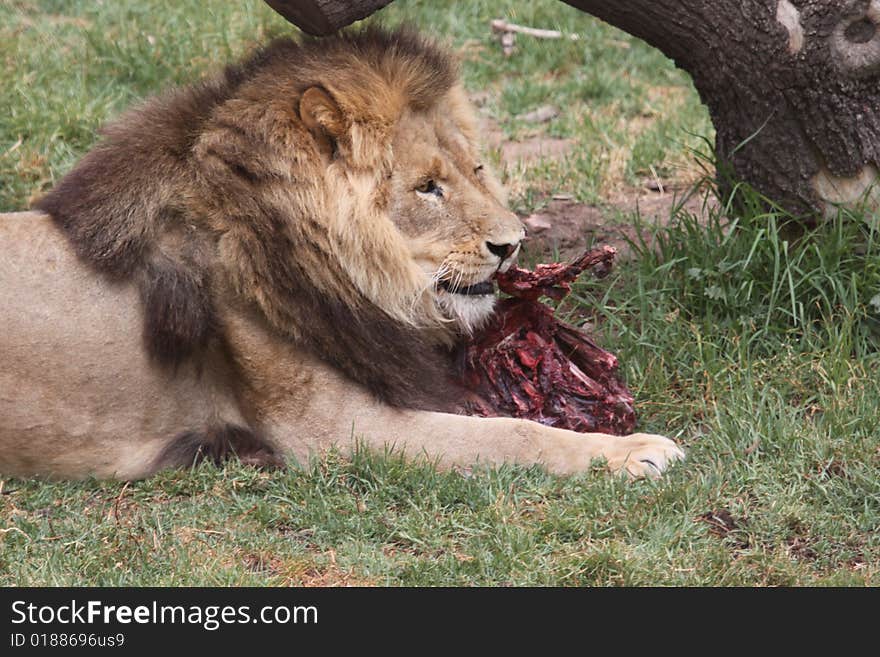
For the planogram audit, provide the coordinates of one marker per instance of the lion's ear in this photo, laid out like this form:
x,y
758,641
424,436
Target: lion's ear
x,y
322,116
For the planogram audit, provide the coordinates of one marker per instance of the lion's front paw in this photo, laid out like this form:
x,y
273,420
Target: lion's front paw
x,y
642,455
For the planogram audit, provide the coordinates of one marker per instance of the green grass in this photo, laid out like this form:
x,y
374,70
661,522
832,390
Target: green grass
x,y
753,344
70,65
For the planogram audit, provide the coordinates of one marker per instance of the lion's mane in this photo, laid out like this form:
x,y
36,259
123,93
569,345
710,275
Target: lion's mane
x,y
218,190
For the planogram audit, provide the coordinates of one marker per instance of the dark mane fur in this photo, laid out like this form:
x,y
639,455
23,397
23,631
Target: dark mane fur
x,y
144,206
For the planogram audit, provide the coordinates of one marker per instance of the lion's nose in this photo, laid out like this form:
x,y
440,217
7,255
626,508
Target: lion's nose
x,y
503,251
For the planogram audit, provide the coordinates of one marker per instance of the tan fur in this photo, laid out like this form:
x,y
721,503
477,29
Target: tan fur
x,y
296,261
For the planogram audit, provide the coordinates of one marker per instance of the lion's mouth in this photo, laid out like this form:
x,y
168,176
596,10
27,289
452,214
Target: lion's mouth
x,y
486,287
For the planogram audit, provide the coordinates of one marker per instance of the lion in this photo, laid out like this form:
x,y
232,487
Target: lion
x,y
271,264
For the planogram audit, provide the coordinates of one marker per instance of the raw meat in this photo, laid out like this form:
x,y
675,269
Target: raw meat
x,y
528,364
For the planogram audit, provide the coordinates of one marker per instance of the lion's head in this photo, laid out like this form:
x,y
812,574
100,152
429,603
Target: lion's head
x,y
385,157
451,208
334,185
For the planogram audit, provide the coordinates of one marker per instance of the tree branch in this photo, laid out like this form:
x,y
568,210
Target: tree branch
x,y
321,17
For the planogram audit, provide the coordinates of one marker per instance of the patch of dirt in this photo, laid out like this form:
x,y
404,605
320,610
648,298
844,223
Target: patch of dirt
x,y
306,573
56,19
801,548
667,94
834,468
721,521
323,578
261,564
328,574
535,148
724,524
857,562
568,227
526,150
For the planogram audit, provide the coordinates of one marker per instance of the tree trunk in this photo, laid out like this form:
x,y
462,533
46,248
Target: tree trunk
x,y
320,17
793,86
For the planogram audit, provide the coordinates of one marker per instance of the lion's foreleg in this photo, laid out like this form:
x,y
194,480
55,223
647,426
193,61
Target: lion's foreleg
x,y
456,440
306,407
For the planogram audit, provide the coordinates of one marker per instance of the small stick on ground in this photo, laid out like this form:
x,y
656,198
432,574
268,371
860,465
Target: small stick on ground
x,y
501,26
118,500
541,115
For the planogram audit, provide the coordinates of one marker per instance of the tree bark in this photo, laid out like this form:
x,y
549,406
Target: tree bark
x,y
792,86
322,17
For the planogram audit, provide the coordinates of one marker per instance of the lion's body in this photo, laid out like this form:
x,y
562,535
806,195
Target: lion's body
x,y
78,394
271,263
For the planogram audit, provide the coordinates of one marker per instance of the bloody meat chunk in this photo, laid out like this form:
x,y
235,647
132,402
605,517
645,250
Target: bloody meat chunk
x,y
527,364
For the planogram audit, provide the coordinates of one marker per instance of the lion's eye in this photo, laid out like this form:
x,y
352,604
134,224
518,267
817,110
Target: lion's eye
x,y
430,187
478,168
